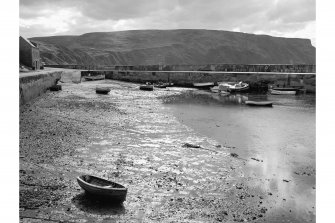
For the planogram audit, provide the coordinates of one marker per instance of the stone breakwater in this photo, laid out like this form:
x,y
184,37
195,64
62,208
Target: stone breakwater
x,y
257,80
129,137
34,84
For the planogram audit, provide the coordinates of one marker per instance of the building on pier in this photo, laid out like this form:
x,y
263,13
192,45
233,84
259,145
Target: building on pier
x,y
29,54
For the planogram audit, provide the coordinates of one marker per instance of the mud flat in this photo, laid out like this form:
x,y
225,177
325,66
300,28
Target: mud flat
x,y
130,137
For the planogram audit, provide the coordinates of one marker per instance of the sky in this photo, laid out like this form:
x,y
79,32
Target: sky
x,y
284,18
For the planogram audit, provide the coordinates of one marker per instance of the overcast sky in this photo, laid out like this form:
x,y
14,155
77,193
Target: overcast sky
x,y
287,18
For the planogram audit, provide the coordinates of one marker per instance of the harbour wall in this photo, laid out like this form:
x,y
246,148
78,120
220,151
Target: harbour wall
x,y
257,80
286,68
34,84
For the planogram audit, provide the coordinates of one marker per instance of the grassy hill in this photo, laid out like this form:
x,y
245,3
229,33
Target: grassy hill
x,y
185,46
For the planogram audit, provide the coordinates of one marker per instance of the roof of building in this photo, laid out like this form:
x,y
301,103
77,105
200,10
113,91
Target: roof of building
x,y
30,43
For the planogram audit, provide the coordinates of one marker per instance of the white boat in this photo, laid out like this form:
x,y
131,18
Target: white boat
x,y
235,86
277,92
203,85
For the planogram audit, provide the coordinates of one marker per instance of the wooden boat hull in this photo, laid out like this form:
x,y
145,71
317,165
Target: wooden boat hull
x,y
259,103
239,89
146,87
276,92
285,89
56,87
203,85
101,90
100,188
233,86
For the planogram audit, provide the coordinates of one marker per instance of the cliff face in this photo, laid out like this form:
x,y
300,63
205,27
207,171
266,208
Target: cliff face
x,y
147,47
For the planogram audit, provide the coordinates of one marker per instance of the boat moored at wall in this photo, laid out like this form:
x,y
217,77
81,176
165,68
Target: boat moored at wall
x,y
206,85
278,92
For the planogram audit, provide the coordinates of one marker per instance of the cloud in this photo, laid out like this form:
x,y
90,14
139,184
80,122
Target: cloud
x,y
60,17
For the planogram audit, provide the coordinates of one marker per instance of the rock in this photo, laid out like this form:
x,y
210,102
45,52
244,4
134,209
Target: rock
x,y
286,180
234,155
189,145
263,210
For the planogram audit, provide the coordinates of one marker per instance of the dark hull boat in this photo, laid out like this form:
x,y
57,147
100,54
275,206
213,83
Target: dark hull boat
x,y
102,90
147,87
102,188
259,103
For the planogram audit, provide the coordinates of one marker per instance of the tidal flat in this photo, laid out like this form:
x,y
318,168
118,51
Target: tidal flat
x,y
134,138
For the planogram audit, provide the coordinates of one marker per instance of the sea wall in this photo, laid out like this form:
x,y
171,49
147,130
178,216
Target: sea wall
x,y
35,83
287,68
182,78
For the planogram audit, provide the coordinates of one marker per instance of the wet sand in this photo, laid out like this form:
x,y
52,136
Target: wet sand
x,y
278,144
129,137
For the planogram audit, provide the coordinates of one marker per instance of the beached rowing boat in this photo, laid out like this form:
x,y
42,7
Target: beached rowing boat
x,y
259,103
102,188
147,87
206,85
277,92
102,90
234,86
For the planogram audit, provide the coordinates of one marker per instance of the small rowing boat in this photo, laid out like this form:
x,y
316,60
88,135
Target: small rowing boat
x,y
259,103
102,188
147,87
102,90
278,92
206,85
234,86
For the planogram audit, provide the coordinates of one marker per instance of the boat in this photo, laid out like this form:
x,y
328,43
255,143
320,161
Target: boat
x,y
147,87
206,85
259,103
285,92
285,88
238,87
102,90
163,85
234,86
102,188
215,89
220,90
56,87
95,78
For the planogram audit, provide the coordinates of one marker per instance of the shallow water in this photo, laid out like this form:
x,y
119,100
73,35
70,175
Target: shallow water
x,y
278,143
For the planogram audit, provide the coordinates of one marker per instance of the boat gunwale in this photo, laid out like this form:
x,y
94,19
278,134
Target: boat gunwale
x,y
259,103
101,187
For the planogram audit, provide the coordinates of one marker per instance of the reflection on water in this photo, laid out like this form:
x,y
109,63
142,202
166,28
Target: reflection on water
x,y
281,141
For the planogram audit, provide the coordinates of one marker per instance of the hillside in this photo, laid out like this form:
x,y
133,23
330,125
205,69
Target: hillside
x,y
174,47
